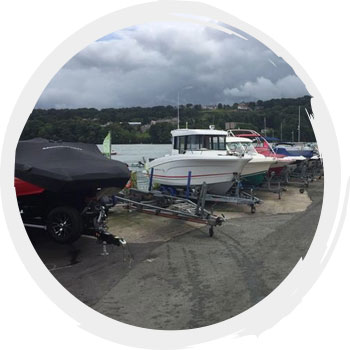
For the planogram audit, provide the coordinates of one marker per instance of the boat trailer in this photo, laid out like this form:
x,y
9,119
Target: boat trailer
x,y
160,204
236,195
301,176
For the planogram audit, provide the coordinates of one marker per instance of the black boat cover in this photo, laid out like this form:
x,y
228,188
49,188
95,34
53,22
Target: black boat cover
x,y
67,166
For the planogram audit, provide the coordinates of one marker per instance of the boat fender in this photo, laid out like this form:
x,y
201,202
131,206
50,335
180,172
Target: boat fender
x,y
129,184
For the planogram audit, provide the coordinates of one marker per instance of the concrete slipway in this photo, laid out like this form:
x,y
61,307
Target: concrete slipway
x,y
181,278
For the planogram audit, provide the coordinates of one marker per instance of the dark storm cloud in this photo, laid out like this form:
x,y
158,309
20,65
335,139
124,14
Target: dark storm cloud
x,y
147,65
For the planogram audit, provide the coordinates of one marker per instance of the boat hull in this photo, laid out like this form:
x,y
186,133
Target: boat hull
x,y
216,171
254,179
254,172
280,164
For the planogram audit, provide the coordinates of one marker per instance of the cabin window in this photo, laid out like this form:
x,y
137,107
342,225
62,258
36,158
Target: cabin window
x,y
204,142
199,142
218,143
222,143
182,144
193,142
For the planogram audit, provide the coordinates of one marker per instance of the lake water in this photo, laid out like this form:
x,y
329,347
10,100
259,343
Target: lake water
x,y
132,154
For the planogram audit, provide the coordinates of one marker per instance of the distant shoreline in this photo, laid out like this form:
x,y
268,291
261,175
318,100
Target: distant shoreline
x,y
152,125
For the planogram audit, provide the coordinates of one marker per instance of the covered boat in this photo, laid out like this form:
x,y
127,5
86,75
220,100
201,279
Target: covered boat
x,y
67,166
24,188
292,150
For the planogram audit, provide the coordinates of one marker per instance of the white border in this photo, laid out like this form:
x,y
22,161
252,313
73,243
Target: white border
x,y
275,306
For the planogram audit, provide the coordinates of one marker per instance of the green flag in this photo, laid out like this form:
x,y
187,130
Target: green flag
x,y
107,145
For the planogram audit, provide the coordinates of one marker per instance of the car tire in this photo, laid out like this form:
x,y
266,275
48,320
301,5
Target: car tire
x,y
64,224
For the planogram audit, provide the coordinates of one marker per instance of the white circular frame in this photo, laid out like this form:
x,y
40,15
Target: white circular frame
x,y
254,320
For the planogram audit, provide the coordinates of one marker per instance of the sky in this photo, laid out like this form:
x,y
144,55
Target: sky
x,y
151,64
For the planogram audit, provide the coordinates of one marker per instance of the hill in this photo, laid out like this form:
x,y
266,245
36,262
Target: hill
x,y
153,124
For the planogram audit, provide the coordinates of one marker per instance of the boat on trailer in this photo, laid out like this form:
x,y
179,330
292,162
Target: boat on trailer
x,y
199,156
66,188
263,147
291,149
254,172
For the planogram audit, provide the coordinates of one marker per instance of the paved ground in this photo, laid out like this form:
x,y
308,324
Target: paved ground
x,y
186,280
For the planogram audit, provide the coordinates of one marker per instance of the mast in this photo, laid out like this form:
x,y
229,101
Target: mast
x,y
299,126
178,110
281,130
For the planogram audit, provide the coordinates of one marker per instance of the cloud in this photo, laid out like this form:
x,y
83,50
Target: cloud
x,y
265,89
148,65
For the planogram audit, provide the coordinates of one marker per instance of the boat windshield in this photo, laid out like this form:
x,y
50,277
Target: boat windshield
x,y
249,147
241,147
257,142
236,147
199,143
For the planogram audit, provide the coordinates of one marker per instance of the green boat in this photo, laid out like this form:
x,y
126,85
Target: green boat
x,y
255,170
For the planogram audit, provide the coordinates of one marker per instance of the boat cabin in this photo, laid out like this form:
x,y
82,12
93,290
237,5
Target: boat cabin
x,y
198,140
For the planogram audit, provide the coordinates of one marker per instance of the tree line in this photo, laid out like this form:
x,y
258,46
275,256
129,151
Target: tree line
x,y
91,125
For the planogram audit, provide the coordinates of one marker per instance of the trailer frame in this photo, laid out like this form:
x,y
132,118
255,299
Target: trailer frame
x,y
173,207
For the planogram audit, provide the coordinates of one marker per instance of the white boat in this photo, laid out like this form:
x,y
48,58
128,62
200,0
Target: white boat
x,y
263,147
199,156
254,171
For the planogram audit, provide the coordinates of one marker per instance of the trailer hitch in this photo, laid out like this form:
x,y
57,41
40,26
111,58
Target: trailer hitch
x,y
110,239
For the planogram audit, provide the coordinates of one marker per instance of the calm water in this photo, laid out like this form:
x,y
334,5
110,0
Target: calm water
x,y
132,154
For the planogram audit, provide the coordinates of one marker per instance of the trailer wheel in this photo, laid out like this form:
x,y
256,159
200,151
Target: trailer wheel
x,y
64,224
